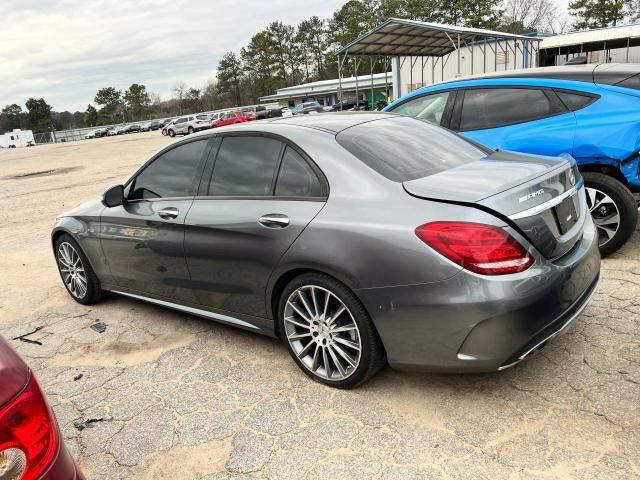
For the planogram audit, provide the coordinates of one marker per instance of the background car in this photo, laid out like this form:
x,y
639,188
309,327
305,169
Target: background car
x,y
591,112
263,112
189,124
286,112
230,118
131,128
90,134
149,126
165,128
307,107
215,116
31,444
356,238
112,131
349,104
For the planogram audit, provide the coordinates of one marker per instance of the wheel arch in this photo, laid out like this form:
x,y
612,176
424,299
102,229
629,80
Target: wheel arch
x,y
280,279
611,169
71,226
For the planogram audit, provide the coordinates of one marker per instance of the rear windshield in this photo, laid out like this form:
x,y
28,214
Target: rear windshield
x,y
403,148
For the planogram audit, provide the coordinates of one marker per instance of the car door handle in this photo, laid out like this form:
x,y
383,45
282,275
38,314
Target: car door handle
x,y
168,213
274,220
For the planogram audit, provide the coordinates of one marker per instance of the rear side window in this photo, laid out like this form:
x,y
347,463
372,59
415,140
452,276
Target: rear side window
x,y
428,107
297,178
497,107
172,174
575,101
245,167
403,148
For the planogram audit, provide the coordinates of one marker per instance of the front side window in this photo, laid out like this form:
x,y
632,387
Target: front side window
x,y
497,107
172,174
245,167
428,107
296,177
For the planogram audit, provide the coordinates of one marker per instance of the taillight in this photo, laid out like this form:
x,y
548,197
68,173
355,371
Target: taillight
x,y
28,435
483,249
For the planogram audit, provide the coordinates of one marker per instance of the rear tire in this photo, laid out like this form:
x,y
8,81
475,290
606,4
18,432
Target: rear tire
x,y
75,271
335,343
609,200
190,131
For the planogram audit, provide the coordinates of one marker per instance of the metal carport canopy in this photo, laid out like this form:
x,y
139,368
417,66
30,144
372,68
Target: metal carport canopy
x,y
411,38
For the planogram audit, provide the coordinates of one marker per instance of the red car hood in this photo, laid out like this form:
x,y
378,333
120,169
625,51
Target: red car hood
x,y
14,373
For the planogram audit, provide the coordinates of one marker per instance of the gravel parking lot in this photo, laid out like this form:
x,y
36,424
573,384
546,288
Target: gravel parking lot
x,y
162,394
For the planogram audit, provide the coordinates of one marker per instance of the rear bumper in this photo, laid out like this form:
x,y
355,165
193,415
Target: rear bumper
x,y
63,467
473,323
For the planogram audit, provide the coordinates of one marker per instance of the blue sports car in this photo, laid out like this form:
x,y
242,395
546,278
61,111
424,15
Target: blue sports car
x,y
591,112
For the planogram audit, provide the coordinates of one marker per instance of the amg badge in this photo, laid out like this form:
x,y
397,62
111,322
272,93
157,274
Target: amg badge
x,y
531,195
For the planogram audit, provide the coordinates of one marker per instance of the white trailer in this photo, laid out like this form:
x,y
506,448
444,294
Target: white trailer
x,y
17,138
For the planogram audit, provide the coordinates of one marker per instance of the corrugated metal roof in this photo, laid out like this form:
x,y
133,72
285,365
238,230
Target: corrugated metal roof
x,y
590,36
412,38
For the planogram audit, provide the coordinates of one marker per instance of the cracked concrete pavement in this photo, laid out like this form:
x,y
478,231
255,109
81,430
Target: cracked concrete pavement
x,y
183,398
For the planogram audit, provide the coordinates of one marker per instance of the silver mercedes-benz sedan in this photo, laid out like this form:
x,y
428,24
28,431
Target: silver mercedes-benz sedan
x,y
360,239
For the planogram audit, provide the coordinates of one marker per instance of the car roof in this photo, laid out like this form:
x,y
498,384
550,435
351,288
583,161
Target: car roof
x,y
331,122
609,73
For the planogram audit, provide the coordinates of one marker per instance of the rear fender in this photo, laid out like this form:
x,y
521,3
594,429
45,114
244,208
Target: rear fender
x,y
608,134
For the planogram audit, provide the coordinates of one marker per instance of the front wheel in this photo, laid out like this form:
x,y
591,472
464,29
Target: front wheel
x,y
328,332
172,133
613,208
77,275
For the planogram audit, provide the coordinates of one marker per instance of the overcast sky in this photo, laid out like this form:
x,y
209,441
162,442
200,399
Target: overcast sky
x,y
65,50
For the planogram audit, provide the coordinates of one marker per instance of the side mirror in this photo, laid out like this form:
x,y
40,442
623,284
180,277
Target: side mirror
x,y
114,196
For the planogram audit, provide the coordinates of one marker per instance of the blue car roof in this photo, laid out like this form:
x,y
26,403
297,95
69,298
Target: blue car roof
x,y
587,78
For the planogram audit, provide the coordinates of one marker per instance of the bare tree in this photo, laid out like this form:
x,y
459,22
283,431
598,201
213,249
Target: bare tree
x,y
179,90
560,24
520,16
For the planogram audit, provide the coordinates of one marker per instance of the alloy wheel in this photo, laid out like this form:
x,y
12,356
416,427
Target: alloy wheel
x,y
72,269
322,333
605,213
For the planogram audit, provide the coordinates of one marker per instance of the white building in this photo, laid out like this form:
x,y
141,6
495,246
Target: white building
x,y
421,53
326,91
17,138
603,45
476,57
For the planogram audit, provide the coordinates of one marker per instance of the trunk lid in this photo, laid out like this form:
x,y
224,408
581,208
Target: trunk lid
x,y
539,196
